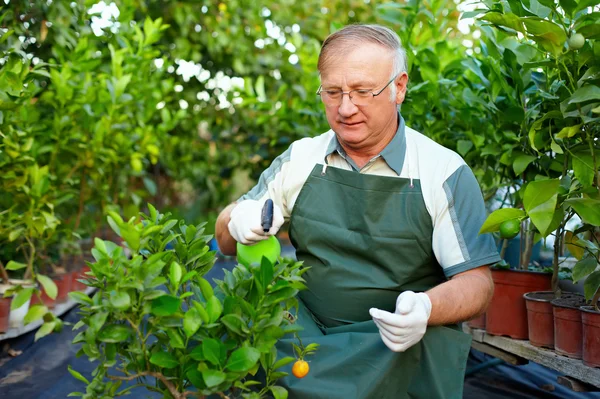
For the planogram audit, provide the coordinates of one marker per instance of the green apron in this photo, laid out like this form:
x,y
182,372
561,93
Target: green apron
x,y
367,238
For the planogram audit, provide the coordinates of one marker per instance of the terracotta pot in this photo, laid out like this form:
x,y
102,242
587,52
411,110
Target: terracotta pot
x,y
63,285
507,314
540,320
568,333
591,336
478,322
4,313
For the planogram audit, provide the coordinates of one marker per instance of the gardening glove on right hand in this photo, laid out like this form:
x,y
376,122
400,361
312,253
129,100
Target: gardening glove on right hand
x,y
407,325
245,223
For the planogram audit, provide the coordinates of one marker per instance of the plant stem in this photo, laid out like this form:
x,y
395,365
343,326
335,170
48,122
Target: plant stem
x,y
557,247
80,210
504,247
3,273
176,394
591,144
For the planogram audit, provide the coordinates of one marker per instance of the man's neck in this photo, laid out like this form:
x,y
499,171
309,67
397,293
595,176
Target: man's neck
x,y
362,156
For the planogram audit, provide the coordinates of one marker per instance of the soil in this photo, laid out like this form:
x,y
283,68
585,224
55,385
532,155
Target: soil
x,y
544,296
569,301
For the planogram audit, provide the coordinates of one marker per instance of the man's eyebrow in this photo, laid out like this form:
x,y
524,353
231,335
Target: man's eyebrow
x,y
364,84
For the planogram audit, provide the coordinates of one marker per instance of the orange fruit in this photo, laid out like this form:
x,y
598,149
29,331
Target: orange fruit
x,y
510,228
300,369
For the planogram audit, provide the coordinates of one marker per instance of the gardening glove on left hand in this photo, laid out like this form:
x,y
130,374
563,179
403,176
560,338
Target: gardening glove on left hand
x,y
407,325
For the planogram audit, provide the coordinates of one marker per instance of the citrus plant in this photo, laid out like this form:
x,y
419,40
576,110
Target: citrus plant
x,y
550,55
155,319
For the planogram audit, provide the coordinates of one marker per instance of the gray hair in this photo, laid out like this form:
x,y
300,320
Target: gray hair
x,y
347,38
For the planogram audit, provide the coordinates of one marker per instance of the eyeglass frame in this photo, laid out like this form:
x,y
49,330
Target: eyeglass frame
x,y
320,90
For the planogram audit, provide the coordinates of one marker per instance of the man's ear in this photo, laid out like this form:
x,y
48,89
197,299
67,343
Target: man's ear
x,y
401,82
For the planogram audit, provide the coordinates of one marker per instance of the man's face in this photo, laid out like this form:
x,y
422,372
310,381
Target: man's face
x,y
368,66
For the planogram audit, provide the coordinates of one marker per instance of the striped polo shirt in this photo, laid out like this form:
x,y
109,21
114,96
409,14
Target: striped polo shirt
x,y
450,190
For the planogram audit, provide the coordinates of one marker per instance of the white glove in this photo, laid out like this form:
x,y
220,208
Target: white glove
x,y
245,224
407,325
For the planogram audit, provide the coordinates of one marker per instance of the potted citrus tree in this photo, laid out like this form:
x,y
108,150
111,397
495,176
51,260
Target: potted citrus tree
x,y
553,158
155,319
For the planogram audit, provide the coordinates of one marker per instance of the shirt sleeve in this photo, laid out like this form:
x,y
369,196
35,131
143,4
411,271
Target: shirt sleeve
x,y
271,183
457,244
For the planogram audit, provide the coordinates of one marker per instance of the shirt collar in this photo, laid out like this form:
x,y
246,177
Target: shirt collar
x,y
393,153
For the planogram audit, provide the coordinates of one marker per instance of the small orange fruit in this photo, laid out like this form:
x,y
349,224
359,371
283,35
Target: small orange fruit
x,y
300,369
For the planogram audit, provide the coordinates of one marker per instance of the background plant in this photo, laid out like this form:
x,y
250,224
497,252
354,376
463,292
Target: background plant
x,y
154,319
550,52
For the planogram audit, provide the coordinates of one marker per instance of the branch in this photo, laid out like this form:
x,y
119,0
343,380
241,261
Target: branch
x,y
172,389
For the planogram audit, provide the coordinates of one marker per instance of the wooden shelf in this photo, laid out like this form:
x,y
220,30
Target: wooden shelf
x,y
578,376
58,311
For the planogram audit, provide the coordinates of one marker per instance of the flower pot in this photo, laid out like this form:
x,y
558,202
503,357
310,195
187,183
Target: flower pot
x,y
4,313
590,319
568,335
478,322
540,320
507,314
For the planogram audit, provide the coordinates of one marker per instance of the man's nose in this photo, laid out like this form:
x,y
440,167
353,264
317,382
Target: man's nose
x,y
347,107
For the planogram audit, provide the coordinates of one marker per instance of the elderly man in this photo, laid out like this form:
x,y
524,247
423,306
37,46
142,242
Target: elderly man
x,y
388,220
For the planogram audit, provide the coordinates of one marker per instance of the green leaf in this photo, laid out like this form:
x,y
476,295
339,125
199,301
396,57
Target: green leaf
x,y
583,4
568,131
569,6
283,362
23,296
235,323
80,298
165,305
49,286
131,236
587,208
201,312
175,274
12,265
211,348
191,322
521,163
205,288
510,21
77,375
540,202
164,360
583,167
265,275
243,359
214,309
213,378
113,333
591,285
195,378
464,146
120,300
279,392
197,354
176,340
495,219
280,295
44,330
584,267
97,321
574,245
544,29
34,313
585,93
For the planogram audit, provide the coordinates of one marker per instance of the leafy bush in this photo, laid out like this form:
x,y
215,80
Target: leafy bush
x,y
156,320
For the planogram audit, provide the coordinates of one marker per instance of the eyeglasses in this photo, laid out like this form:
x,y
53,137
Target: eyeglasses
x,y
359,97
